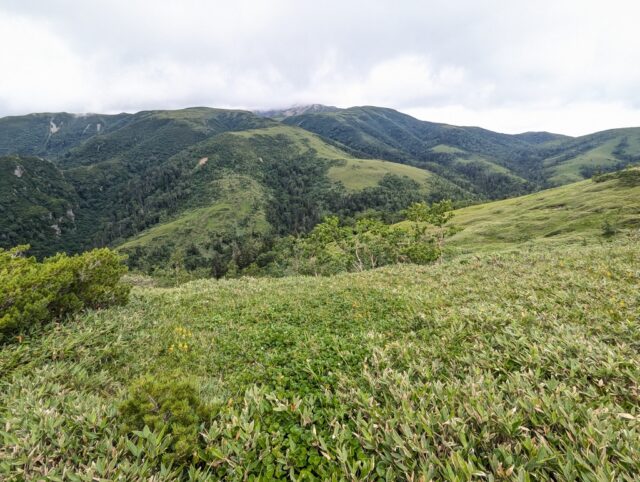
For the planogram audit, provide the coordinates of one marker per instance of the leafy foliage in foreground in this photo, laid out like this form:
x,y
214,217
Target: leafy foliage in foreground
x,y
33,292
521,365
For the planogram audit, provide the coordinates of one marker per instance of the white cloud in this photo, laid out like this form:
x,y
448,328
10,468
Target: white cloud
x,y
576,118
564,65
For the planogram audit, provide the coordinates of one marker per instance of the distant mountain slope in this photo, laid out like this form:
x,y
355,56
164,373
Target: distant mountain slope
x,y
243,188
53,134
581,157
541,137
37,205
476,159
487,163
153,136
230,179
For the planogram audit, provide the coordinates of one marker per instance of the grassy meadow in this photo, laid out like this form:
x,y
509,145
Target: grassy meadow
x,y
575,213
513,366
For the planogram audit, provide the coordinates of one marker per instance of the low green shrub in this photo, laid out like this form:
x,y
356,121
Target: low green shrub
x,y
33,292
608,228
169,406
629,177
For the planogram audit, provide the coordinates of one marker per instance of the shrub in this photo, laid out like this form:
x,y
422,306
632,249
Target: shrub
x,y
608,229
331,247
33,292
629,177
169,406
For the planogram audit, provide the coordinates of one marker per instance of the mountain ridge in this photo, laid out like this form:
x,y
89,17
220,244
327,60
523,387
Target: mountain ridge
x,y
137,172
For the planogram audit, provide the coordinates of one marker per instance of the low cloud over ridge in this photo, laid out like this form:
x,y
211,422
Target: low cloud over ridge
x,y
565,66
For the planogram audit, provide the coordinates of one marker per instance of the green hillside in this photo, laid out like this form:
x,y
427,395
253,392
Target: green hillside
x,y
513,357
53,134
148,169
354,174
37,205
476,159
574,213
490,164
153,136
521,365
207,238
600,152
244,188
357,174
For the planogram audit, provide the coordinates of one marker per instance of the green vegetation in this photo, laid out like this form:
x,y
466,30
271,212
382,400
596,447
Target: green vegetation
x,y
357,174
53,135
261,184
569,214
520,365
477,161
32,293
584,156
513,357
197,192
369,243
204,241
627,177
135,179
166,406
37,205
486,164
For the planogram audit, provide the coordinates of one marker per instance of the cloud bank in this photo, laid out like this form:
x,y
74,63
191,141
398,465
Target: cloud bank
x,y
567,66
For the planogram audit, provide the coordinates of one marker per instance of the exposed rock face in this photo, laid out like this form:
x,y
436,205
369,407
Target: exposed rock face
x,y
53,128
18,171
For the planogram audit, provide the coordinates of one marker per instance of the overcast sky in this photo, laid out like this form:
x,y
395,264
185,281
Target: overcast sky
x,y
512,65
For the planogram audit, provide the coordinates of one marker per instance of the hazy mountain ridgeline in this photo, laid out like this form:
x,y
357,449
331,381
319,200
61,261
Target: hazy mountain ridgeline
x,y
280,114
489,164
211,189
52,135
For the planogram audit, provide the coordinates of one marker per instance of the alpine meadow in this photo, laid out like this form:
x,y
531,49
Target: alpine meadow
x,y
279,289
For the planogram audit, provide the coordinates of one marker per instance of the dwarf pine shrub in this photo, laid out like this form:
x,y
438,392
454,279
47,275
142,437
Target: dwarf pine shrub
x,y
169,406
33,292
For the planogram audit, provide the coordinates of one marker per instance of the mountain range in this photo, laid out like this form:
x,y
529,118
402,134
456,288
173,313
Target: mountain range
x,y
211,189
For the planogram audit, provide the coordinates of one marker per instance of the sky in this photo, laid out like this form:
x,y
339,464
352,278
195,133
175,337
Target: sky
x,y
567,66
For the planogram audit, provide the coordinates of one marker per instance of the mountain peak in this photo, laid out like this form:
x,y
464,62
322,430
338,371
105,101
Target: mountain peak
x,y
294,110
